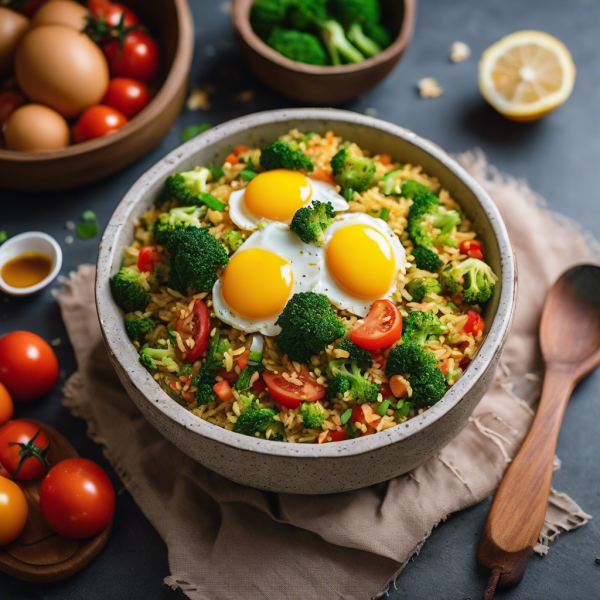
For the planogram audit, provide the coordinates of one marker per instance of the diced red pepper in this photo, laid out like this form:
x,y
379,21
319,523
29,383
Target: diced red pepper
x,y
474,323
148,258
472,249
335,436
243,359
230,376
445,366
232,159
223,390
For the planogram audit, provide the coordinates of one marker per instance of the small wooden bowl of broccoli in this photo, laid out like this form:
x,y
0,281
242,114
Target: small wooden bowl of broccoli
x,y
323,52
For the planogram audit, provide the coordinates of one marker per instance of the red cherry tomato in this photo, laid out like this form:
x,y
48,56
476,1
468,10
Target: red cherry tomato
x,y
98,121
223,390
23,448
137,57
259,385
243,359
148,258
127,96
472,249
7,407
112,12
474,323
9,102
200,330
28,365
382,327
335,436
289,394
77,498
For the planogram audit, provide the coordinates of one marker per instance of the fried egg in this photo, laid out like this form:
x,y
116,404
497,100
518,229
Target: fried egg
x,y
260,278
275,196
362,260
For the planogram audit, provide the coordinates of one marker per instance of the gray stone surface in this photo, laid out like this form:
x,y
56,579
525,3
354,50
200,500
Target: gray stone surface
x,y
558,156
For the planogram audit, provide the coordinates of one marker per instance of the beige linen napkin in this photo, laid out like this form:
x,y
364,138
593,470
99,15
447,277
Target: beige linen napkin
x,y
228,542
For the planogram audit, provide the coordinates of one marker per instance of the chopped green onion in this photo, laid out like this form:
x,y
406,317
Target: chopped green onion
x,y
452,306
193,130
89,215
402,410
171,335
384,214
3,236
383,407
346,416
211,201
348,194
256,348
247,175
87,230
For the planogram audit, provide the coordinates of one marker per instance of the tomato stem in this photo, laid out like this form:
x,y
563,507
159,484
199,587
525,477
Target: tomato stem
x,y
30,450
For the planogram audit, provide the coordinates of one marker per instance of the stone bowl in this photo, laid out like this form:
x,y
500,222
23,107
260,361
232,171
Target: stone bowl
x,y
310,468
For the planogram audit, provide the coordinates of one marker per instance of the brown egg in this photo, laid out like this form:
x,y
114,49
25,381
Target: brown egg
x,y
13,26
60,67
61,12
36,128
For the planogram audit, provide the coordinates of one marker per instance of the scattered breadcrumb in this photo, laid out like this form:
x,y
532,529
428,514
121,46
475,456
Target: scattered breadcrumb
x,y
429,88
245,96
69,239
198,100
70,225
459,52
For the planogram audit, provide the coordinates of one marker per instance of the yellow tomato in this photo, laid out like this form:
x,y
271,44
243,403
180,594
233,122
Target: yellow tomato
x,y
6,405
13,511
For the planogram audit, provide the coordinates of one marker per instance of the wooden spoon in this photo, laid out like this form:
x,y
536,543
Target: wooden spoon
x,y
570,344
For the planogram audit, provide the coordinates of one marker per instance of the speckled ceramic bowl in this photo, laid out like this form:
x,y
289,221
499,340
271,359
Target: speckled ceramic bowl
x,y
310,468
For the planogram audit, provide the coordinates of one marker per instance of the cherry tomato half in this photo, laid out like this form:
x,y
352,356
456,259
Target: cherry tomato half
x,y
289,394
7,407
474,323
381,328
112,12
98,121
23,448
9,102
127,95
13,511
137,56
198,328
358,416
148,258
28,365
77,498
472,249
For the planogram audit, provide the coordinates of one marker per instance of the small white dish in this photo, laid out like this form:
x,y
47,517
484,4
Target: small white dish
x,y
30,241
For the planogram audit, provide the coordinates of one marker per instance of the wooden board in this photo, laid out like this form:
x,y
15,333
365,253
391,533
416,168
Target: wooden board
x,y
39,554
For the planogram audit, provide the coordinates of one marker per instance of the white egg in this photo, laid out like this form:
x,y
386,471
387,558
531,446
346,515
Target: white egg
x,y
262,275
362,261
264,199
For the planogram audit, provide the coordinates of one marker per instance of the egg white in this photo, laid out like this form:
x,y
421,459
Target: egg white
x,y
247,220
304,259
337,295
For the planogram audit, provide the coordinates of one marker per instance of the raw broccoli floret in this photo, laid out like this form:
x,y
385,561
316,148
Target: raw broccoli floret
x,y
304,14
310,222
308,325
233,239
407,358
359,11
149,356
195,255
312,417
186,186
129,292
360,355
267,14
378,33
340,49
474,278
298,45
426,259
363,42
361,389
419,326
176,218
243,381
428,385
352,172
281,155
338,386
427,212
421,288
256,421
137,328
411,189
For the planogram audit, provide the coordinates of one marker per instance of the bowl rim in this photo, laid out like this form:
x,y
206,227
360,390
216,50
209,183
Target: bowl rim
x,y
142,381
177,72
241,22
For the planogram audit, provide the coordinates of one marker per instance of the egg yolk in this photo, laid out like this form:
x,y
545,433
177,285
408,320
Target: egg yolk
x,y
257,283
277,195
361,260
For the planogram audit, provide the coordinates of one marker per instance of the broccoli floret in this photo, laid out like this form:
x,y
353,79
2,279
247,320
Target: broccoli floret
x,y
267,14
205,380
426,213
390,183
445,240
359,11
137,328
421,288
310,222
186,186
149,356
411,189
298,45
378,33
407,358
426,259
312,417
233,239
256,421
361,389
337,44
364,43
428,385
419,326
352,172
195,255
243,381
281,155
474,278
130,294
338,386
176,218
304,14
360,355
308,325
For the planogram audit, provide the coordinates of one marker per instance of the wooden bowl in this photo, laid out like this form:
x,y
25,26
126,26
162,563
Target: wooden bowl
x,y
171,23
324,86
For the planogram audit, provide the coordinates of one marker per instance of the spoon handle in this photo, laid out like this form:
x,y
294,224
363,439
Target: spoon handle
x,y
519,507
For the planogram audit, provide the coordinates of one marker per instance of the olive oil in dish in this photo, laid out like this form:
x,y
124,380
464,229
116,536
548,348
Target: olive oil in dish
x,y
27,269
